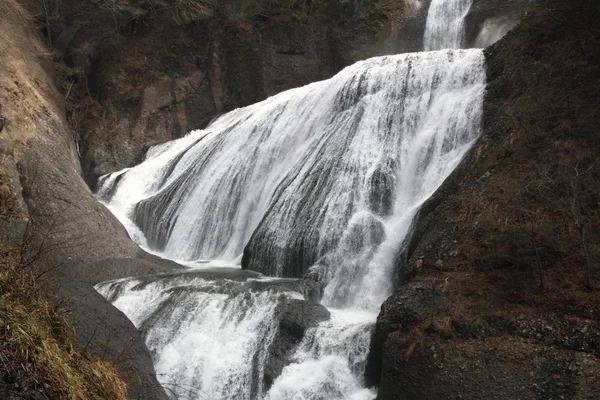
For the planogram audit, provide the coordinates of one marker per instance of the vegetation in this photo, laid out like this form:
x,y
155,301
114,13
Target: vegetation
x,y
35,331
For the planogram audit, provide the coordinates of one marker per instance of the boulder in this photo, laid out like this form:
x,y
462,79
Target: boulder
x,y
296,316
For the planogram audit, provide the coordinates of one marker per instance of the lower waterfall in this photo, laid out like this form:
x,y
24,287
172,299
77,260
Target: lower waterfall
x,y
208,340
320,183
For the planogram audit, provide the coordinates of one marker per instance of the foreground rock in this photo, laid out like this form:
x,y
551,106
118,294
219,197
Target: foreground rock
x,y
423,349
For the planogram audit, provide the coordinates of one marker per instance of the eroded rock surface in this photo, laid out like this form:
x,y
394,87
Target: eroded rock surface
x,y
47,210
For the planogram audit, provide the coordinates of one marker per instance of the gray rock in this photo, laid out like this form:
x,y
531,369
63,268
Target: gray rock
x,y
105,332
408,306
296,316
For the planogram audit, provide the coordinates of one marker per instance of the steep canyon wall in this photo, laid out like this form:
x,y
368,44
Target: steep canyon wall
x,y
496,301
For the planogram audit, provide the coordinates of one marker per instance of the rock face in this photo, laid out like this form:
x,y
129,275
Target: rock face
x,y
409,306
143,73
296,316
407,28
427,354
106,332
490,20
49,213
497,304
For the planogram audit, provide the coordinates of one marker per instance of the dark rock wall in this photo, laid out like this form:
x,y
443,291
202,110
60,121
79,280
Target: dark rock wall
x,y
474,321
141,73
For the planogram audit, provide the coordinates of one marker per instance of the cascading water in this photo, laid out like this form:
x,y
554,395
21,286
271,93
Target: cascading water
x,y
329,362
198,332
445,27
322,181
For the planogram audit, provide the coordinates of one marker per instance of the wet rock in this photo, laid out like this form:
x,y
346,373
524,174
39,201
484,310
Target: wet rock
x,y
489,20
405,309
364,232
116,268
296,316
107,333
382,184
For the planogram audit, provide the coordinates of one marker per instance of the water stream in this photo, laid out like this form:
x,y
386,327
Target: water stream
x,y
445,27
322,182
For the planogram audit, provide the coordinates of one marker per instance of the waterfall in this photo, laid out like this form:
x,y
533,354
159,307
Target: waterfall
x,y
328,361
306,165
445,27
207,339
320,182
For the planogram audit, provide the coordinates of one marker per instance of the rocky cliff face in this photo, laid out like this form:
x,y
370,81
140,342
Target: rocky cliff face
x,y
499,303
49,213
141,73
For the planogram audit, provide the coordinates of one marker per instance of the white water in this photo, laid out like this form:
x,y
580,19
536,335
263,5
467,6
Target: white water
x,y
407,118
445,28
337,169
208,340
328,361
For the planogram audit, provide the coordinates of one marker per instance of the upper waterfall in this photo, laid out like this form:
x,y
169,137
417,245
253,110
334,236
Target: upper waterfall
x,y
316,168
445,27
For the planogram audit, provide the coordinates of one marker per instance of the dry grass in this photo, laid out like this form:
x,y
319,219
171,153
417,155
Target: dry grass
x,y
40,336
25,94
9,204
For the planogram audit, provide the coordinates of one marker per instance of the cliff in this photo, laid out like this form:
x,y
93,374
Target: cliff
x,y
49,216
502,293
